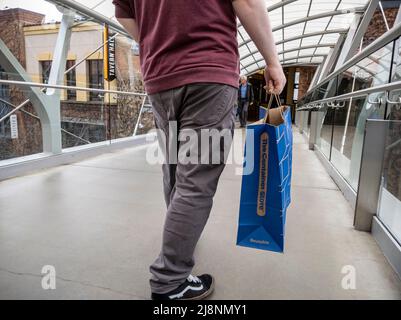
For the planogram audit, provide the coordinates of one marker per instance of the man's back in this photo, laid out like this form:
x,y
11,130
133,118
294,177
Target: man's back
x,y
185,41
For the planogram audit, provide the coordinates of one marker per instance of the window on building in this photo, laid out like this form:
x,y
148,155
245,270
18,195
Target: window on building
x,y
71,80
95,78
45,67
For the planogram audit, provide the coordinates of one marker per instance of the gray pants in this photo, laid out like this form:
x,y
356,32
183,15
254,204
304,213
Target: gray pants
x,y
188,188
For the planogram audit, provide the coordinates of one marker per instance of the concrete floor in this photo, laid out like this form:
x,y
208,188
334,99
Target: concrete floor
x,y
98,222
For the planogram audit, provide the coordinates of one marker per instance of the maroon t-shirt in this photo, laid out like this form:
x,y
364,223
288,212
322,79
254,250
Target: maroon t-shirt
x,y
184,41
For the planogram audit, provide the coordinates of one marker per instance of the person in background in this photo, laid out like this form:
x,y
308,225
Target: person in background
x,y
190,66
245,98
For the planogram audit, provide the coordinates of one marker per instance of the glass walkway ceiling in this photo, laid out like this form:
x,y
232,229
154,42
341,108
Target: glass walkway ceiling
x,y
304,30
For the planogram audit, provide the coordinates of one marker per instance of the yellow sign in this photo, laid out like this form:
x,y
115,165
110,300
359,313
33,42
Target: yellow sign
x,y
109,59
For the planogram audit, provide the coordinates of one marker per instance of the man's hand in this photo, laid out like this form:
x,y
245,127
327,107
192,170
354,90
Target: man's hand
x,y
275,78
255,20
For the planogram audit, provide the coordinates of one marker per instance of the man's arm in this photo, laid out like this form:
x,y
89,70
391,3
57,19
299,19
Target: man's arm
x,y
130,26
125,14
253,16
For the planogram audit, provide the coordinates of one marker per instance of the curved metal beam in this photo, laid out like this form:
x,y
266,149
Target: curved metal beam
x,y
91,14
303,64
284,60
305,56
279,5
63,87
313,34
327,45
291,50
294,58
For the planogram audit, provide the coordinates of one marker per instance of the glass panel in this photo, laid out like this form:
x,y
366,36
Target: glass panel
x,y
292,44
340,21
394,110
389,211
84,122
21,131
322,91
375,69
307,52
322,6
329,38
307,121
322,50
324,130
346,4
348,135
129,115
346,82
304,123
86,117
317,24
311,40
369,72
317,60
132,115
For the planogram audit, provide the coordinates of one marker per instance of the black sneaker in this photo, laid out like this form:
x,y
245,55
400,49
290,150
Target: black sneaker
x,y
194,288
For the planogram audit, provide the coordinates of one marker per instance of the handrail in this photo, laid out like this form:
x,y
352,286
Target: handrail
x,y
62,87
88,12
380,42
392,102
357,94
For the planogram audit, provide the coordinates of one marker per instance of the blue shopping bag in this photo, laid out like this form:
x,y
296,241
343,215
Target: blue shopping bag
x,y
266,191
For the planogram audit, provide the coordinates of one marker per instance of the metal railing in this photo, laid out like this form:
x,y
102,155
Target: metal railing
x,y
91,14
63,87
331,102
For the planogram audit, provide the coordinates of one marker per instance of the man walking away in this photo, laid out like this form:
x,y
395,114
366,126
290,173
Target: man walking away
x,y
245,98
190,66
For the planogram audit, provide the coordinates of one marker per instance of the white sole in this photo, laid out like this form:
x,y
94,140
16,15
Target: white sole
x,y
205,294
